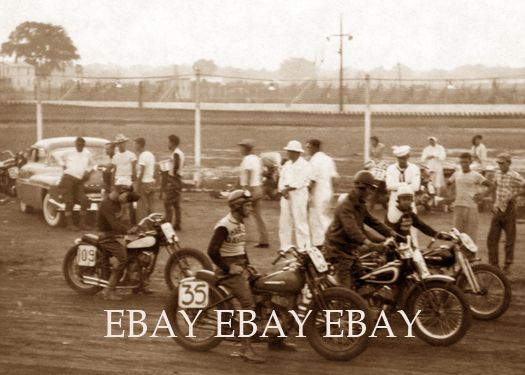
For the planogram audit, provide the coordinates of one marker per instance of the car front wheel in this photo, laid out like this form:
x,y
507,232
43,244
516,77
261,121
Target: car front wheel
x,y
52,215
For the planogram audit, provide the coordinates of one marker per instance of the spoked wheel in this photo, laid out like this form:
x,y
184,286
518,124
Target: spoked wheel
x,y
73,273
495,292
184,263
444,316
204,328
339,348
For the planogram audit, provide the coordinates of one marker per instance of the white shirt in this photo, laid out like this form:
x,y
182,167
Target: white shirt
x,y
77,163
435,164
395,177
322,171
253,164
146,159
123,162
296,175
177,151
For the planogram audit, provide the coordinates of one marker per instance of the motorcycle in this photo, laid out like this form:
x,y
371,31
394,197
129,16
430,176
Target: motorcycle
x,y
403,281
86,265
304,283
485,286
9,167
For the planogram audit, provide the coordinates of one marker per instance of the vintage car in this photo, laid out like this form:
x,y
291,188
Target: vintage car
x,y
37,183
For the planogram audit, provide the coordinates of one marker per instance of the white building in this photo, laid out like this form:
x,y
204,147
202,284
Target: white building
x,y
19,76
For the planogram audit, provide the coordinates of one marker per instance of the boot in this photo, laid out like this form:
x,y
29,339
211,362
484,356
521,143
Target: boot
x,y
109,293
248,354
82,222
70,225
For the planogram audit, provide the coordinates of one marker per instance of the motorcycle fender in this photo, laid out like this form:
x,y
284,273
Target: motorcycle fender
x,y
443,278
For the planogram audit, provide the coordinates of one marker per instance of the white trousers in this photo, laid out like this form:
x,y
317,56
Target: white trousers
x,y
294,217
319,215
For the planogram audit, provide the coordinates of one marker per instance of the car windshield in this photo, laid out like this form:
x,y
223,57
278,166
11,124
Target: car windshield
x,y
98,152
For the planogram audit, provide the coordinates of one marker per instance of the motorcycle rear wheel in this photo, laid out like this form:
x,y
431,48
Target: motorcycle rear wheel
x,y
73,273
337,348
495,296
445,314
204,328
184,264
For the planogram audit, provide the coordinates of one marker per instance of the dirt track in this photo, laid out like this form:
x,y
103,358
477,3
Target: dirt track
x,y
46,328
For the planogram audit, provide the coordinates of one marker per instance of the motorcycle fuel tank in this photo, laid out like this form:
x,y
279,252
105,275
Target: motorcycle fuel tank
x,y
142,243
284,281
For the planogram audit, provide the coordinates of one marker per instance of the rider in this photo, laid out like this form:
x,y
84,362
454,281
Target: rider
x,y
346,233
227,249
403,218
110,224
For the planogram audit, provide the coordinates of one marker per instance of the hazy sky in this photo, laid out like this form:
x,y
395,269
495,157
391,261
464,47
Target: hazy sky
x,y
422,34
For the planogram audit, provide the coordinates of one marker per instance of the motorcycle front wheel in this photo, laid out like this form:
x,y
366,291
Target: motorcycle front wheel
x,y
338,348
184,263
495,292
73,273
205,327
444,316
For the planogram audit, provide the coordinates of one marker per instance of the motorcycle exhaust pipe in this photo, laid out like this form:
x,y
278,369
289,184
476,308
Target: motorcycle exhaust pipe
x,y
104,283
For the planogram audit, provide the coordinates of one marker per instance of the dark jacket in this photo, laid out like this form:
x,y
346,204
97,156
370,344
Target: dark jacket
x,y
346,232
410,219
107,221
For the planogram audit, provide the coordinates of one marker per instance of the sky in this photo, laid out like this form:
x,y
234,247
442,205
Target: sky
x,y
423,34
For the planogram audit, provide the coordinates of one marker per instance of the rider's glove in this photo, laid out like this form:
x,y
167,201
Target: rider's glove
x,y
133,230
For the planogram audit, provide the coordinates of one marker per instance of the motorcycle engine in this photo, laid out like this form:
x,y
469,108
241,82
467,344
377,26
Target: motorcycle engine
x,y
134,271
381,297
145,258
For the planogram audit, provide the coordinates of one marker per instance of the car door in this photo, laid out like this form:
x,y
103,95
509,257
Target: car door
x,y
28,191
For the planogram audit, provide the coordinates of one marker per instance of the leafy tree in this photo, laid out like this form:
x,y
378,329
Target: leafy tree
x,y
45,46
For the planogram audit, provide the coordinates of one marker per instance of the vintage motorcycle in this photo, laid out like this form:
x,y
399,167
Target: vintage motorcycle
x,y
303,284
403,281
86,265
9,167
485,286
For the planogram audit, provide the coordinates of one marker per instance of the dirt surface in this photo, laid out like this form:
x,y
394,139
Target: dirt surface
x,y
46,328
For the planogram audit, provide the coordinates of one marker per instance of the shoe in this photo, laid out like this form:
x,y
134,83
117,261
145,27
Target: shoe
x,y
111,295
262,245
281,345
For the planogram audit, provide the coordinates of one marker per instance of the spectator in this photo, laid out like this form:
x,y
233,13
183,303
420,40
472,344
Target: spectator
x,y
293,186
251,179
376,149
508,185
78,166
145,183
124,171
433,156
107,171
467,183
479,154
174,182
321,191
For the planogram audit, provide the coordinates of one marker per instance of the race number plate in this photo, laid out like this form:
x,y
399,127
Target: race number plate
x,y
193,294
86,255
169,232
317,259
13,173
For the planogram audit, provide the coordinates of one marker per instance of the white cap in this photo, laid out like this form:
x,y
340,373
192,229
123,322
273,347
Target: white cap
x,y
400,151
432,138
294,146
405,190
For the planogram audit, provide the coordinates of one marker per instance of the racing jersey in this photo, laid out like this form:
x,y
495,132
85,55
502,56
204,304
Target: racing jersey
x,y
229,240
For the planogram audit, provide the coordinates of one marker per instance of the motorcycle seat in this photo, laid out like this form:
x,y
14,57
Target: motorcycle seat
x,y
90,238
208,276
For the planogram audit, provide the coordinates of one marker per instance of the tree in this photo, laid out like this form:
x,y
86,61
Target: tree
x,y
297,68
45,46
205,66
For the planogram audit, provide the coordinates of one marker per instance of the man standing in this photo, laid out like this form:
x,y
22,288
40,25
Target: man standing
x,y
323,172
508,185
251,179
145,183
174,182
293,186
468,183
433,156
107,169
78,166
124,171
376,149
401,173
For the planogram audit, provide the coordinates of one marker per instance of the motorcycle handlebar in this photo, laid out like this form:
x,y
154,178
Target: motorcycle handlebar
x,y
279,256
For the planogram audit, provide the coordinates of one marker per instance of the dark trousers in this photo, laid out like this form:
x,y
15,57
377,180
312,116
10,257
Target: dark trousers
x,y
172,201
72,190
239,285
343,263
502,221
110,244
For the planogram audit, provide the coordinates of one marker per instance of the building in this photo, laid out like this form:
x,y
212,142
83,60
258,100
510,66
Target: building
x,y
17,76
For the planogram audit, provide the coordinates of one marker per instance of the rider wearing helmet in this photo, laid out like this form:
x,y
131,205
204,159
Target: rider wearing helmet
x,y
346,233
403,218
227,249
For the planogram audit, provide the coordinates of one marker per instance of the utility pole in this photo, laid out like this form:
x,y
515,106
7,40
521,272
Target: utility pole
x,y
197,175
341,35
